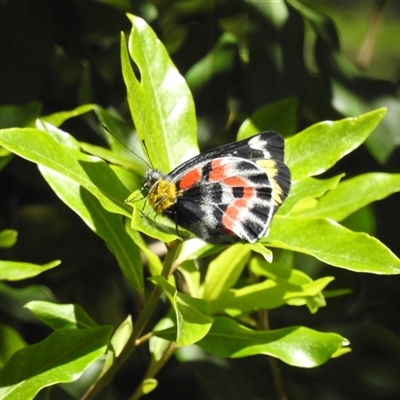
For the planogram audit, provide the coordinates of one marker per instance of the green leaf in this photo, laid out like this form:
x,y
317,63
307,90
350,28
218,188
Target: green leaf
x,y
21,116
59,316
218,62
161,104
319,147
261,249
154,262
271,293
157,345
90,172
193,319
160,228
8,237
297,346
303,193
194,249
5,157
121,336
124,144
224,271
11,341
107,225
280,267
269,117
112,157
130,180
192,277
62,357
16,271
385,139
14,299
333,244
148,385
353,194
59,118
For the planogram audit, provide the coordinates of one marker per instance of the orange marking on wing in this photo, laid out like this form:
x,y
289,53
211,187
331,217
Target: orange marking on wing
x,y
235,181
249,193
218,171
231,214
190,179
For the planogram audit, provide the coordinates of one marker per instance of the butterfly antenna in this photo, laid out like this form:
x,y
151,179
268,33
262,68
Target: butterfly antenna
x,y
147,153
130,150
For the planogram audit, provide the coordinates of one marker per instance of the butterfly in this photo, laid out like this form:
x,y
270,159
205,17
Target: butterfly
x,y
224,195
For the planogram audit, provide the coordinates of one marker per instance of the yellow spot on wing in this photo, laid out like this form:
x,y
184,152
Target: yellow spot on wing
x,y
270,168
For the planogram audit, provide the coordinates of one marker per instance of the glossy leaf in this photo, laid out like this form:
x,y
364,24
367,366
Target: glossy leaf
x,y
124,144
107,225
62,357
195,249
154,262
334,244
121,336
353,194
280,268
320,146
59,118
271,293
297,346
142,220
90,172
307,189
270,118
260,249
16,271
111,157
192,276
224,271
11,341
193,319
157,345
161,104
59,316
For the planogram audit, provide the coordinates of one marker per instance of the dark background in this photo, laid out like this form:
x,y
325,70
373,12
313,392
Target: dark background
x,y
56,55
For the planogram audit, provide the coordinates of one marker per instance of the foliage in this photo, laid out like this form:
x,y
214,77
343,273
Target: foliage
x,y
220,310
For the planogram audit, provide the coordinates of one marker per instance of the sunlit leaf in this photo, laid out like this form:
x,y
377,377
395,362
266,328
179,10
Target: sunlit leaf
x,y
15,271
170,130
297,346
334,244
320,146
62,357
59,316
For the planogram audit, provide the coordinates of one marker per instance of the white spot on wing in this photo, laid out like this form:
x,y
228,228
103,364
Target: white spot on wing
x,y
257,143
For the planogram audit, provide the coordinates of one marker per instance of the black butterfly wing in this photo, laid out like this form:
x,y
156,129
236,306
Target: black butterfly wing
x,y
230,193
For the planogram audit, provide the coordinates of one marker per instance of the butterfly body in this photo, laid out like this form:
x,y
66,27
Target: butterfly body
x,y
224,195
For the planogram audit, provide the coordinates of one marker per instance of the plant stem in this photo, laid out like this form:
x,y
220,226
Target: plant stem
x,y
273,363
154,368
368,45
140,325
